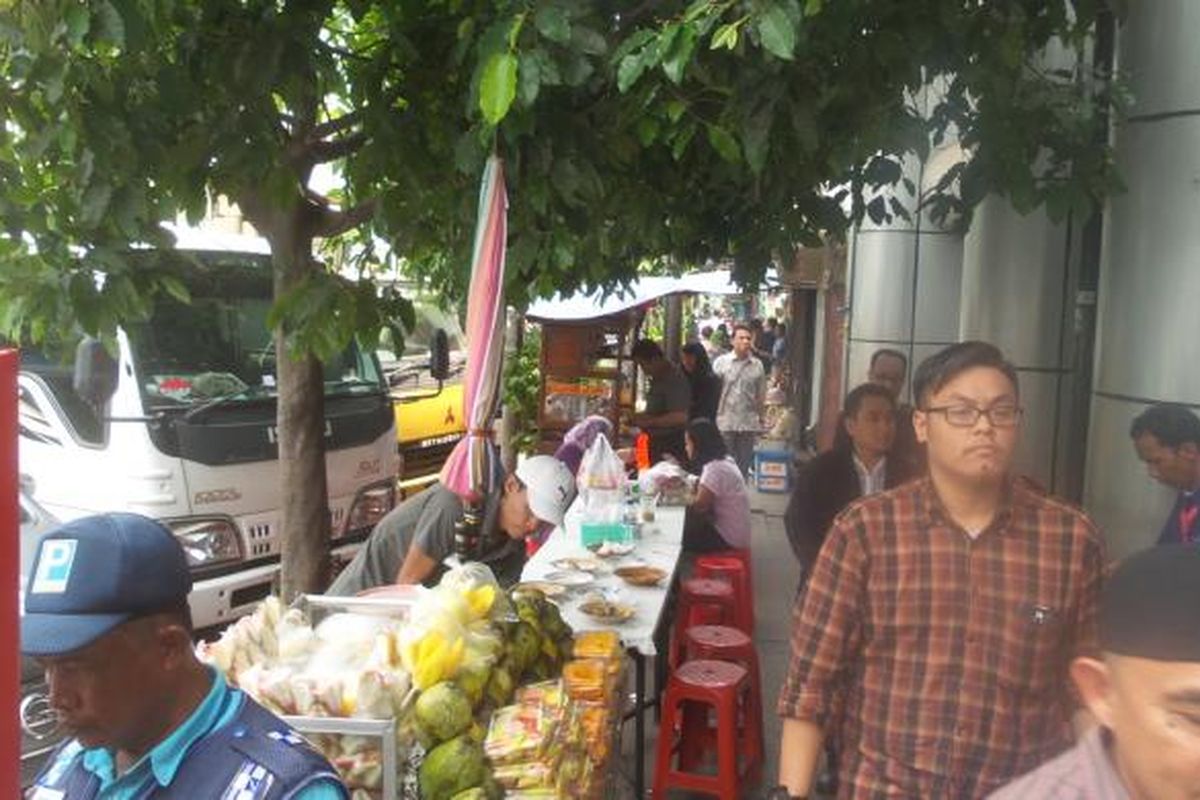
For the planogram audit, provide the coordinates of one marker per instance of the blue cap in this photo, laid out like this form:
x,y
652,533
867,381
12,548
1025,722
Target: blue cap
x,y
94,573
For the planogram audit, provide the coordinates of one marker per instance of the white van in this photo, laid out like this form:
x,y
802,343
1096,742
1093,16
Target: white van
x,y
182,429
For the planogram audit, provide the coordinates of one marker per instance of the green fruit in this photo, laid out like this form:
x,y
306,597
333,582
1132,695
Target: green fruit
x,y
450,768
443,711
473,680
525,646
474,793
500,687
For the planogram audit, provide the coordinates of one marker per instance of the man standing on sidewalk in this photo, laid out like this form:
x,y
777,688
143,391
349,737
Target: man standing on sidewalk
x,y
935,633
740,410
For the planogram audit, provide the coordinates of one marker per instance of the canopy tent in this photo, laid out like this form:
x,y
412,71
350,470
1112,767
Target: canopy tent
x,y
598,304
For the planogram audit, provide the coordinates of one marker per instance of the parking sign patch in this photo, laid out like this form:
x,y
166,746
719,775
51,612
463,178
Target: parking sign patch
x,y
54,566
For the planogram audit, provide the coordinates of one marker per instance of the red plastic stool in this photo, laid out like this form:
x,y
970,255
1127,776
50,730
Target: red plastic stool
x,y
732,566
723,643
724,688
702,601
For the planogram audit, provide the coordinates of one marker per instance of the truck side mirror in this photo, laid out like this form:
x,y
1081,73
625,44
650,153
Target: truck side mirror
x,y
439,355
96,372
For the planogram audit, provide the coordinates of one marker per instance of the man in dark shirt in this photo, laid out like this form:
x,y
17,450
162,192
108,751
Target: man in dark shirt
x,y
1167,438
667,401
935,633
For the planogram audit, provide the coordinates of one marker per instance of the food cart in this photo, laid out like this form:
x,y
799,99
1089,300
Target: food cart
x,y
586,340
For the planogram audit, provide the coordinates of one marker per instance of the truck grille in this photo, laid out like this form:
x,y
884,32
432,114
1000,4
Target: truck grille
x,y
419,461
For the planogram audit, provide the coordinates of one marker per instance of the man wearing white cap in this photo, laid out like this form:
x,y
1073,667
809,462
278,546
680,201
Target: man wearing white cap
x,y
410,543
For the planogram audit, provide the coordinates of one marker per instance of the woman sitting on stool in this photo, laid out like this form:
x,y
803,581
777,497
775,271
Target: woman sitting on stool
x,y
719,516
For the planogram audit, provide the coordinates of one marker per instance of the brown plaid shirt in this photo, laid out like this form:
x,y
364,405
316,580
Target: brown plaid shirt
x,y
940,662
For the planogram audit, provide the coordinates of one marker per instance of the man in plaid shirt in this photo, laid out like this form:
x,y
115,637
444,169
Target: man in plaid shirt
x,y
935,635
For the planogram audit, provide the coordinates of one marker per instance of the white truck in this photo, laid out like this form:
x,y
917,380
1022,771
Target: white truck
x,y
180,426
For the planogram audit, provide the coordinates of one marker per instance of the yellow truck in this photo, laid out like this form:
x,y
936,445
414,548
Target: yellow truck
x,y
429,418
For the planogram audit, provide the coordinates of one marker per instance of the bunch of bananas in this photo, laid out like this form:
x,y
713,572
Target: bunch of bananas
x,y
433,658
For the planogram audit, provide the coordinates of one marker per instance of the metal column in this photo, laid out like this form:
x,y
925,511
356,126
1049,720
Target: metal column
x,y
1149,275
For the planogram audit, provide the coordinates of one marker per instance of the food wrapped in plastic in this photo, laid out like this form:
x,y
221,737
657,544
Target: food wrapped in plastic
x,y
596,723
520,733
598,644
587,679
525,775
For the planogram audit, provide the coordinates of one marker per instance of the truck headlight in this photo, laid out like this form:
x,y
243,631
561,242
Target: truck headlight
x,y
207,542
370,506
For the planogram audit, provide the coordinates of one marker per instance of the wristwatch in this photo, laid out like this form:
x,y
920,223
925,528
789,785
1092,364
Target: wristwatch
x,y
781,793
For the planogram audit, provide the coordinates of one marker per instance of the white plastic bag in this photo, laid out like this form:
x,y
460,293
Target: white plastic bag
x,y
601,474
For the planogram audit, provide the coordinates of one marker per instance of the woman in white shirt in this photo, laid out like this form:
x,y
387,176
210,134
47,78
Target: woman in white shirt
x,y
719,517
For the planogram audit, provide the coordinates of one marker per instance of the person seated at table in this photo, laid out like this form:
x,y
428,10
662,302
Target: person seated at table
x,y
410,543
719,516
857,466
706,384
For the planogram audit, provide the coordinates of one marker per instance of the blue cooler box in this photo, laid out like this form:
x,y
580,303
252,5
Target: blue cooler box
x,y
773,468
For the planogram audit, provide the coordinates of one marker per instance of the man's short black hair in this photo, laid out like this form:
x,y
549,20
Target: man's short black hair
x,y
858,394
945,365
887,351
647,350
1171,424
741,326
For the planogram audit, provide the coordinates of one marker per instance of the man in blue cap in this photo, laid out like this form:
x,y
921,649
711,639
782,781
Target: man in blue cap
x,y
106,616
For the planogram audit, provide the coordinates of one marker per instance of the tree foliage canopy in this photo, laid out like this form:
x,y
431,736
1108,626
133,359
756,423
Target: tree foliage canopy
x,y
687,130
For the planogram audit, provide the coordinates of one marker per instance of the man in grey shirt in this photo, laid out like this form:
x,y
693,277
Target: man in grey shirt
x,y
410,543
667,401
740,411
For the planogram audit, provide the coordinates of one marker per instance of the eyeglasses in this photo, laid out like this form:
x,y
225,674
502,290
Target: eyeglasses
x,y
1002,416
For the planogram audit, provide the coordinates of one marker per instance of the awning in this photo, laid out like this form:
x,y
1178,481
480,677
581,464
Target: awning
x,y
645,291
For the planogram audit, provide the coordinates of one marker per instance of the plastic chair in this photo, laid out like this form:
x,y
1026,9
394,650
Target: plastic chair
x,y
722,688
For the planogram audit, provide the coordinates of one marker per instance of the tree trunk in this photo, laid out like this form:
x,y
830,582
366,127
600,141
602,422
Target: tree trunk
x,y
304,517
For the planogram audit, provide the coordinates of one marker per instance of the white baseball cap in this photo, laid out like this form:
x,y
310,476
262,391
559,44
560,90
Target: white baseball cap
x,y
549,485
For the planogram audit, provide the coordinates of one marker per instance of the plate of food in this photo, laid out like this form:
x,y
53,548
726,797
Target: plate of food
x,y
569,578
550,590
579,564
641,575
600,608
608,549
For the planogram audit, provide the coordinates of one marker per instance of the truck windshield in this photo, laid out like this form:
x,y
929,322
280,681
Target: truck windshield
x,y
220,347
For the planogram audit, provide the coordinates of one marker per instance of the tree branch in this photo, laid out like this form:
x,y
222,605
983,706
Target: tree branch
x,y
330,223
335,126
324,152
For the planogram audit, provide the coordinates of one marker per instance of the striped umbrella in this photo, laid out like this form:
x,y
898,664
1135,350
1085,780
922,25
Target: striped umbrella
x,y
470,471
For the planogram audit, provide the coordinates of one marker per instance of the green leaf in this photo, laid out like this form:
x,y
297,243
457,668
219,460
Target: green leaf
x,y
78,22
756,140
175,288
723,142
647,130
676,58
552,23
777,33
109,25
530,83
725,36
498,86
586,40
630,69
812,7
675,109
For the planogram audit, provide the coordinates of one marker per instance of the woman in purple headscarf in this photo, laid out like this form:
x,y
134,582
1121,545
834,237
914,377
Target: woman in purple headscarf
x,y
579,438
